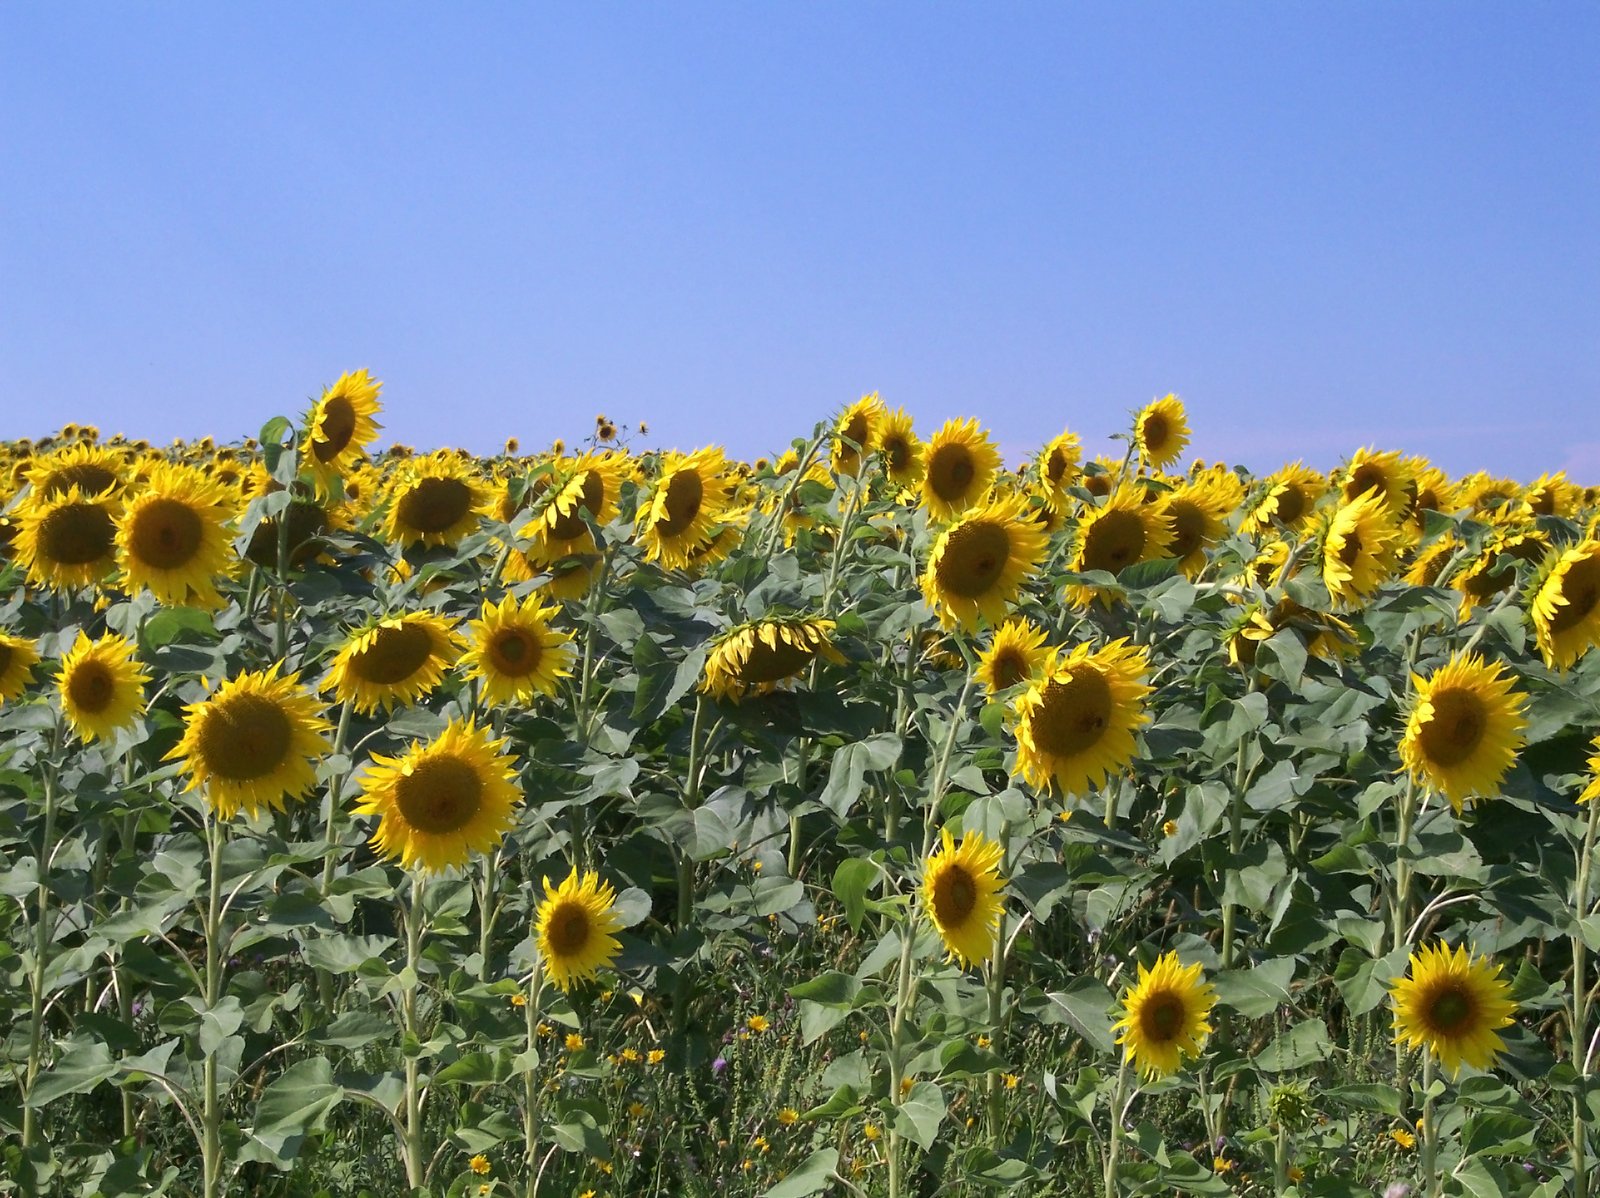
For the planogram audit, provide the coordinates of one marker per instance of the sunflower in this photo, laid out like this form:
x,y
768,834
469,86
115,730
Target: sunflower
x,y
441,802
1553,495
397,661
172,536
102,686
573,928
66,540
568,567
1358,549
691,496
1387,473
1487,576
1566,606
1453,1003
979,563
904,455
254,743
857,432
1165,1016
755,657
1121,532
1160,431
516,652
961,891
1057,467
1465,728
959,466
94,471
1434,492
1015,655
1198,513
1428,567
590,483
435,500
1486,495
1075,724
1290,496
18,656
341,426
1592,791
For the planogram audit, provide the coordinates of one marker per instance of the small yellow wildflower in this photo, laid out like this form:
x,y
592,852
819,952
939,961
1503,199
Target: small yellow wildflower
x,y
788,1116
758,1023
519,1000
1403,1138
574,1042
479,1164
1010,1079
631,1055
1170,828
656,1055
1221,1164
983,1041
872,1132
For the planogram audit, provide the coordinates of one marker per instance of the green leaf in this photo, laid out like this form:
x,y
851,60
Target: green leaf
x,y
354,1029
848,770
1370,1096
1258,991
810,1176
851,881
843,1103
831,989
477,1069
294,1105
577,1131
217,1024
1299,1046
919,1116
82,1067
1478,1181
1085,1006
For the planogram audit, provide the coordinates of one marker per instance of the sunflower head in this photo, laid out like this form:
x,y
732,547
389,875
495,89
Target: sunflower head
x,y
1014,656
66,540
435,500
1359,547
340,425
1165,1016
516,652
574,928
102,686
254,743
1465,728
1161,431
1388,474
755,658
857,432
397,661
592,484
1591,792
904,455
18,656
1122,531
1057,469
980,563
95,472
1197,514
961,892
440,802
959,467
172,536
1566,606
1453,1005
1075,724
691,496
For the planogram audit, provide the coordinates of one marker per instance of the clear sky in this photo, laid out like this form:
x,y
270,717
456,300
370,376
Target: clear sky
x,y
1322,225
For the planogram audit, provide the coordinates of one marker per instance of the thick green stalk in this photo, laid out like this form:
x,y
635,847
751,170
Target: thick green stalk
x,y
1235,843
902,1006
211,1111
1431,1186
530,1081
416,1156
41,934
1280,1158
995,985
1114,1139
1580,1012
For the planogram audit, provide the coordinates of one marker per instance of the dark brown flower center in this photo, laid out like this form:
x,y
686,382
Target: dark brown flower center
x,y
439,795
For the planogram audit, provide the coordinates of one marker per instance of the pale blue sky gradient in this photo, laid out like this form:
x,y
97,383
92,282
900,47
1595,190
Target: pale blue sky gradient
x,y
1323,225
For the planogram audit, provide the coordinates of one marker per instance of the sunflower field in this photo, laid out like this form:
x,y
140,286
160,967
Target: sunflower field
x,y
873,820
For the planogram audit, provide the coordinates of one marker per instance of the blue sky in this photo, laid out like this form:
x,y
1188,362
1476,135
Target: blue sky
x,y
1322,225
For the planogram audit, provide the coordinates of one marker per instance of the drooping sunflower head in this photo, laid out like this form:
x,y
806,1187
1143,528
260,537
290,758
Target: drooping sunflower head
x,y
1566,606
1387,473
1359,547
857,433
254,743
66,540
690,497
1057,467
1166,1016
1465,728
1122,531
18,656
340,425
440,802
397,661
435,500
516,651
1197,512
961,892
574,928
959,467
1553,495
172,536
980,563
1428,567
590,483
1453,1004
1489,573
1485,494
756,657
1161,431
101,684
1289,499
1075,725
1016,654
904,455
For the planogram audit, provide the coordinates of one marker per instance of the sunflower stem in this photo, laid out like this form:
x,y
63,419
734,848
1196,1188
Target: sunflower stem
x,y
1280,1158
530,1080
1580,1011
1430,1132
416,1155
996,987
1119,1096
776,529
41,932
211,1109
902,1006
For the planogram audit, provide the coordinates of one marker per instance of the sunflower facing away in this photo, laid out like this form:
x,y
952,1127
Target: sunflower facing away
x,y
861,424
1160,431
959,465
1358,549
516,652
755,657
1075,724
979,563
680,517
341,426
573,928
440,802
1465,728
1566,606
1165,1016
1015,655
1453,1004
397,662
102,686
18,656
254,743
172,536
961,891
66,540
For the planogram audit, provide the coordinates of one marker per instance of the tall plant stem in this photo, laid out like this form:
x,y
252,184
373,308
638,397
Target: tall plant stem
x,y
1430,1132
1119,1096
1580,1011
42,929
416,1156
904,989
530,1081
1235,843
211,1110
995,985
